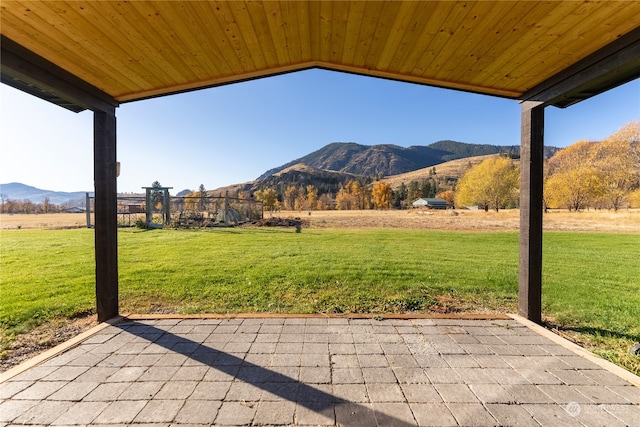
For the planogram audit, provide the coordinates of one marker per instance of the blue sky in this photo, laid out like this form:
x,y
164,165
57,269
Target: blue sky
x,y
234,133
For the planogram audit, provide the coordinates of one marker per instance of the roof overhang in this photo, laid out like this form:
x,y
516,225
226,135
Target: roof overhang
x,y
95,55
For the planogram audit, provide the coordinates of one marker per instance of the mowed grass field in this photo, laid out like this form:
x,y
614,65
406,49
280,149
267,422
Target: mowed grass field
x,y
591,280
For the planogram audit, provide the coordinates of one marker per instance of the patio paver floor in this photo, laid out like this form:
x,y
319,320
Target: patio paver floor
x,y
319,372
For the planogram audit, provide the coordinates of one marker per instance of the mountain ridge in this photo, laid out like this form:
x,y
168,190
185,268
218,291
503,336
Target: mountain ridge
x,y
390,159
20,191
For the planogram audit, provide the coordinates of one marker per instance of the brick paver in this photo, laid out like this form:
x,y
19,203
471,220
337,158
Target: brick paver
x,y
319,372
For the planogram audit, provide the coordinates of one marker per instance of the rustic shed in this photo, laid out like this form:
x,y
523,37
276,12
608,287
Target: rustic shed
x,y
429,202
95,55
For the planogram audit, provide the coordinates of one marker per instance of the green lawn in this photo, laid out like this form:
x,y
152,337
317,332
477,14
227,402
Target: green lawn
x,y
591,281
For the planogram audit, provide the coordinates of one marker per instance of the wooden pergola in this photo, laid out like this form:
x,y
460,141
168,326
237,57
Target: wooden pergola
x,y
88,55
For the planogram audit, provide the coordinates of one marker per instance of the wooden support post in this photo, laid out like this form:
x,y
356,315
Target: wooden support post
x,y
148,207
105,214
166,205
531,208
88,209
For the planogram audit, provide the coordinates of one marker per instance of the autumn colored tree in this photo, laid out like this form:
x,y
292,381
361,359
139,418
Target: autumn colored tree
x,y
381,194
192,201
492,184
290,196
344,201
634,199
357,193
312,197
352,196
617,160
449,196
325,202
573,181
268,197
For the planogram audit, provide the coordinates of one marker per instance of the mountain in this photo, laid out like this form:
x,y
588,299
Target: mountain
x,y
301,175
460,150
18,191
446,174
389,159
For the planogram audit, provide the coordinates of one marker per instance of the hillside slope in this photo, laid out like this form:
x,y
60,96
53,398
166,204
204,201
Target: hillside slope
x,y
389,159
19,191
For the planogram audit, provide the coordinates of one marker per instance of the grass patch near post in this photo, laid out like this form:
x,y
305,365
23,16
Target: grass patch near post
x,y
591,280
591,292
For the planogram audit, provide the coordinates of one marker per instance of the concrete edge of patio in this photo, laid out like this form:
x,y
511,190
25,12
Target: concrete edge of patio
x,y
540,330
580,351
54,351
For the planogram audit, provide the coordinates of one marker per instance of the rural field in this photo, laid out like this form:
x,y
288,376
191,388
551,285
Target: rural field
x,y
623,221
342,262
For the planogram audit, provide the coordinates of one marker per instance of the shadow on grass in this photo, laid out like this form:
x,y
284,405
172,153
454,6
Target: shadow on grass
x,y
593,331
343,412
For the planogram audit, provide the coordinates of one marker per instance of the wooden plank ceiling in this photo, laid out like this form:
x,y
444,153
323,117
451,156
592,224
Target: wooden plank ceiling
x,y
137,49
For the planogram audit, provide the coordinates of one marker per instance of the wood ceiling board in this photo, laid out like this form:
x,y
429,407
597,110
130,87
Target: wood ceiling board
x,y
418,38
221,37
404,33
259,40
384,26
368,23
557,42
137,63
261,49
352,32
459,28
297,34
26,71
325,35
544,41
134,70
420,64
204,47
615,64
480,48
505,54
156,53
340,15
391,75
219,81
180,36
52,43
277,23
132,50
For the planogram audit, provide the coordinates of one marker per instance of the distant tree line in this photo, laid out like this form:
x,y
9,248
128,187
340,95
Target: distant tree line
x,y
352,195
28,207
599,175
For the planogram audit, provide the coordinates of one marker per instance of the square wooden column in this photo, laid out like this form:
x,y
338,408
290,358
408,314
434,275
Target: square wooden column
x,y
531,209
106,219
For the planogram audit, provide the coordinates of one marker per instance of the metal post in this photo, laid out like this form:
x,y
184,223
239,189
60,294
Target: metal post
x,y
531,208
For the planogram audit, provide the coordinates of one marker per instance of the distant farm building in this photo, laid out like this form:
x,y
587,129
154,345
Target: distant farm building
x,y
74,209
429,203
